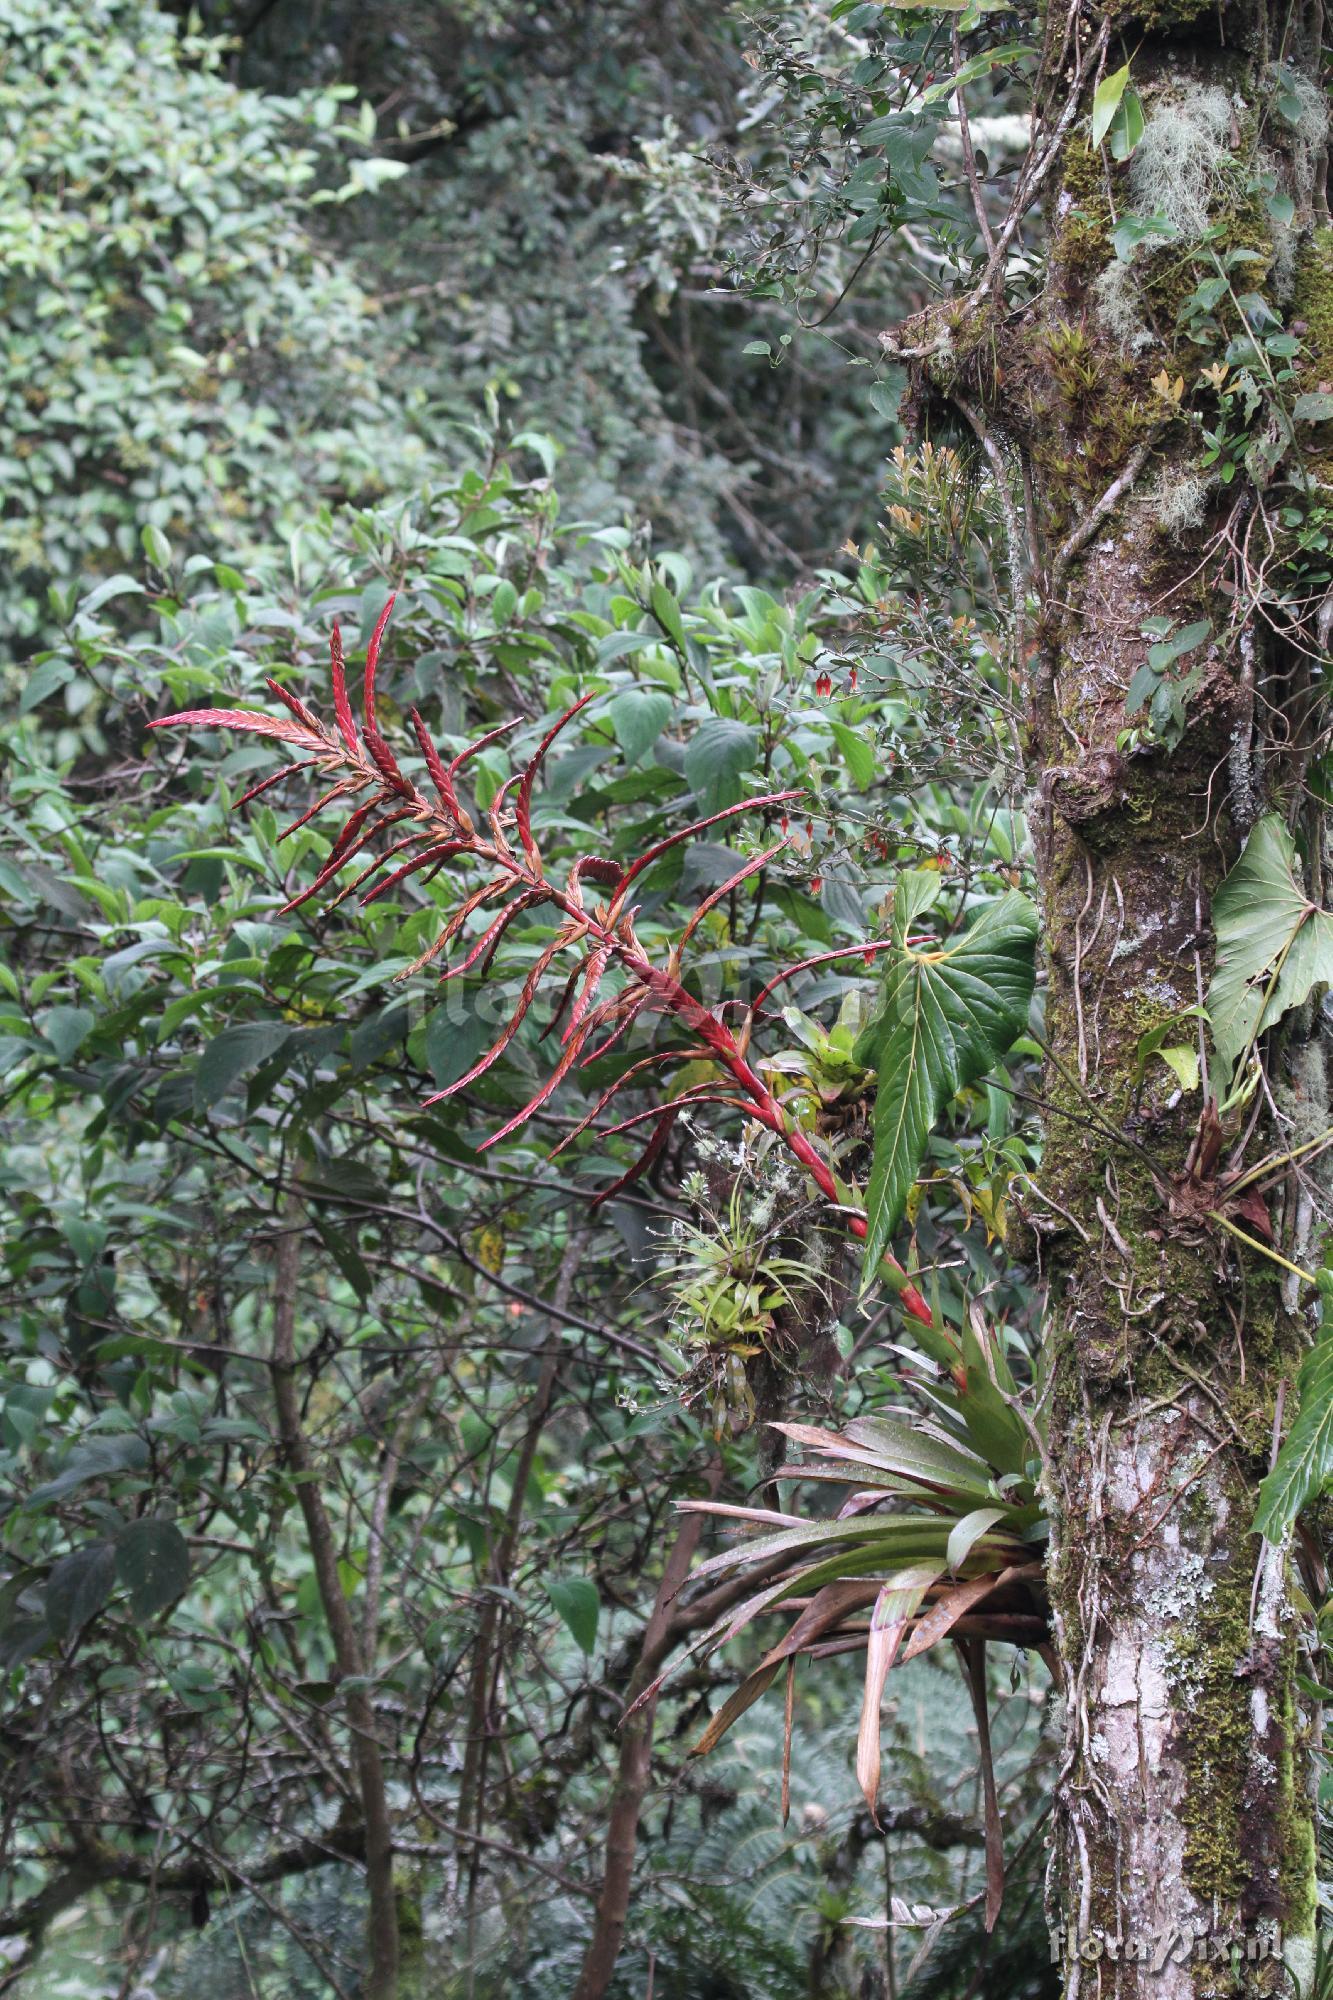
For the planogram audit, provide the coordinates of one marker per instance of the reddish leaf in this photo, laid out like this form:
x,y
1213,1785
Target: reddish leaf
x,y
441,850
635,1069
548,1089
820,958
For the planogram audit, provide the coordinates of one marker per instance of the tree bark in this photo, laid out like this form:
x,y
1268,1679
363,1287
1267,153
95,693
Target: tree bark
x,y
1182,1858
635,1767
382,1924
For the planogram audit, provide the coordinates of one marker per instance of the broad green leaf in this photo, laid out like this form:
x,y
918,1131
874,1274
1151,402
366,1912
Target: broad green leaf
x,y
1183,1062
946,1016
901,1448
1305,1463
78,1586
993,1428
1106,102
576,1599
715,756
1273,945
153,1560
95,1458
858,754
1167,651
1314,407
114,586
638,716
155,546
667,613
65,1028
232,1055
43,682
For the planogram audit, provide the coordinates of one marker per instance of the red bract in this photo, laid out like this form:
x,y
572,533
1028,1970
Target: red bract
x,y
427,834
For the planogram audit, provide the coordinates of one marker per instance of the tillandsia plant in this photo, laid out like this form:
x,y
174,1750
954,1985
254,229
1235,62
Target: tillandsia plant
x,y
731,1281
408,832
964,1560
941,1536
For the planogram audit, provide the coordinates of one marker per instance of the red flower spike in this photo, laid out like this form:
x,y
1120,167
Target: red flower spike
x,y
523,809
497,1049
290,702
635,1069
242,719
342,707
435,833
439,777
373,659
687,833
752,867
824,686
651,1153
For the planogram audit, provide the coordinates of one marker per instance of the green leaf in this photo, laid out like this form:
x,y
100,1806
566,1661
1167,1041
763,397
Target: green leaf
x,y
1315,407
1167,651
715,756
1131,230
78,1586
946,1017
114,586
96,1458
1305,1462
155,546
43,682
1128,125
1273,945
1106,102
667,613
153,1561
964,1533
858,754
1183,1062
576,1599
232,1055
638,717
66,1028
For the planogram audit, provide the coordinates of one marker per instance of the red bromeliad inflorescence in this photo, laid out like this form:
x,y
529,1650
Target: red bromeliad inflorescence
x,y
394,821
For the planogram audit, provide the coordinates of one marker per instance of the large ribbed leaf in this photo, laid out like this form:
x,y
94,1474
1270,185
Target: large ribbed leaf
x,y
1273,945
947,1014
1305,1463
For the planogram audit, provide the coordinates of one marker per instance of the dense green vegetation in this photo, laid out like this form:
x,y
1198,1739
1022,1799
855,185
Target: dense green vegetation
x,y
351,1383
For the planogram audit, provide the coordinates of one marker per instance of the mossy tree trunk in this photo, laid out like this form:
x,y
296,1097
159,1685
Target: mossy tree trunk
x,y
1183,1808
